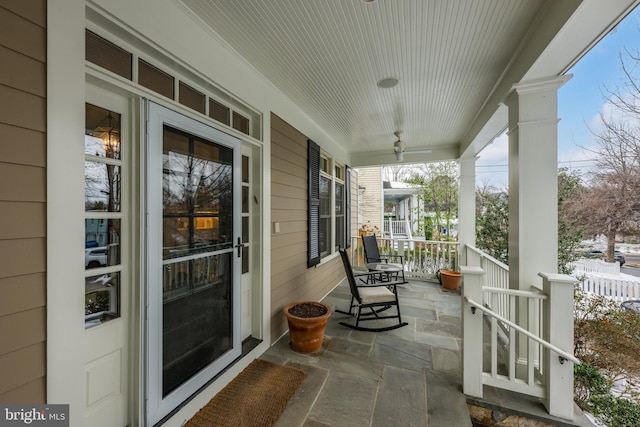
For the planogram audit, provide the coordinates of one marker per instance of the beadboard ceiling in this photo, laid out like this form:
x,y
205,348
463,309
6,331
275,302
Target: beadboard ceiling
x,y
450,58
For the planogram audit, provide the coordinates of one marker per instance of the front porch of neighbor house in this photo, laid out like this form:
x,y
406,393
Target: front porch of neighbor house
x,y
210,147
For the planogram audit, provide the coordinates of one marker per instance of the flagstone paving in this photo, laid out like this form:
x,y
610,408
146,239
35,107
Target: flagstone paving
x,y
409,376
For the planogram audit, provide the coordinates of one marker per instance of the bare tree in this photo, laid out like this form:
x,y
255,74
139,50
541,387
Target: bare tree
x,y
397,173
611,200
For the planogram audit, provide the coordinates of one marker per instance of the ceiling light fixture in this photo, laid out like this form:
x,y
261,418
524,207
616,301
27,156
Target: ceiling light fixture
x,y
387,82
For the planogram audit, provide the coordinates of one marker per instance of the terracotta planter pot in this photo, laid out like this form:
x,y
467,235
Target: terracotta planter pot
x,y
450,279
306,333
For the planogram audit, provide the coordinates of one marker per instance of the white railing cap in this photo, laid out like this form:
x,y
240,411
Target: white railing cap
x,y
471,270
555,277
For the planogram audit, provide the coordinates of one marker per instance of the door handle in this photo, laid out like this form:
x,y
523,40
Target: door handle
x,y
239,246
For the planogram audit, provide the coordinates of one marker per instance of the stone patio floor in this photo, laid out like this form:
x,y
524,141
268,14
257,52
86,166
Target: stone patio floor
x,y
409,376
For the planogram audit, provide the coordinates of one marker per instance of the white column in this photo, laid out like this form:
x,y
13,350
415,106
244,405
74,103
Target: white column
x,y
472,332
466,206
533,164
558,330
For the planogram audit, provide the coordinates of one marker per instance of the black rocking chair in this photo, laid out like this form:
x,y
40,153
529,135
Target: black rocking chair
x,y
372,255
374,297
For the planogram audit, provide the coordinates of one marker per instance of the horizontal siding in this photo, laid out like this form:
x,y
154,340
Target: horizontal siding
x,y
354,203
23,185
21,293
31,323
371,180
22,146
22,109
32,36
22,220
22,367
32,391
291,280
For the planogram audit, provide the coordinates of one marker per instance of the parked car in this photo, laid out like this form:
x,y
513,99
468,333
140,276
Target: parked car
x,y
95,257
595,253
619,256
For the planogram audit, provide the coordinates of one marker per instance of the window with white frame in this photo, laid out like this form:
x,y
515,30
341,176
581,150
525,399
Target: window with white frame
x,y
327,204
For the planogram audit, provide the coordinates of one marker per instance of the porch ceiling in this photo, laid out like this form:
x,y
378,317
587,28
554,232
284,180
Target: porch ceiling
x,y
454,60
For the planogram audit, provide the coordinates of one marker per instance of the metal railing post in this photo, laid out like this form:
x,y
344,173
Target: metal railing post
x,y
558,330
472,331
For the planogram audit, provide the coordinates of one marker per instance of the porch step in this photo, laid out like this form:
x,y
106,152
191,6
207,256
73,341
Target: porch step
x,y
502,408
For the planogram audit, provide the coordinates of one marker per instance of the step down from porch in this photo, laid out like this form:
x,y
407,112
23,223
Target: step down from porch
x,y
501,408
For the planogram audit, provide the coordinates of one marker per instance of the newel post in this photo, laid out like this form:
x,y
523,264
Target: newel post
x,y
472,331
558,330
473,258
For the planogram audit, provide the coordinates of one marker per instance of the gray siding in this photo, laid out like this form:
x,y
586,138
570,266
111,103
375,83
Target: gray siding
x,y
291,280
23,201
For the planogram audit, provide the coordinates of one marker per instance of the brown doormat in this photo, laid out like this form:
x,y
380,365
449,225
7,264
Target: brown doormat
x,y
256,397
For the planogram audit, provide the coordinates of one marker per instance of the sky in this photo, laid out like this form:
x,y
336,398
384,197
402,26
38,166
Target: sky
x,y
580,101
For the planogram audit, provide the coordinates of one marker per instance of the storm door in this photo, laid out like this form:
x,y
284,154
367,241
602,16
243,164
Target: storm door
x,y
193,255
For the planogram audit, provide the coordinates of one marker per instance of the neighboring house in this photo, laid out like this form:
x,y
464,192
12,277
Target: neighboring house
x,y
403,209
370,203
226,192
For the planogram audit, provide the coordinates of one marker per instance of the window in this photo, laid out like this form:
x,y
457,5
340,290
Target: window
x,y
328,211
339,207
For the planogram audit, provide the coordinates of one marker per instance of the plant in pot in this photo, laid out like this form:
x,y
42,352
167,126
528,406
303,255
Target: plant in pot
x,y
449,279
307,321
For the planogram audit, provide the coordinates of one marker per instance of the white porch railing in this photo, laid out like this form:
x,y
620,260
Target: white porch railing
x,y
400,228
422,258
529,347
496,276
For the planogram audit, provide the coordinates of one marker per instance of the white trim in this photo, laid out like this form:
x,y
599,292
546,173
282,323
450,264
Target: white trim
x,y
65,207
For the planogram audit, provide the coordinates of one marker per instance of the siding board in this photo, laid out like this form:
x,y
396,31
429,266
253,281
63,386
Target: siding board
x,y
30,187
22,366
22,109
32,392
22,293
22,146
25,73
22,256
32,40
32,10
20,220
31,323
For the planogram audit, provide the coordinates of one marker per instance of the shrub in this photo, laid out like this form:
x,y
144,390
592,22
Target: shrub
x,y
607,340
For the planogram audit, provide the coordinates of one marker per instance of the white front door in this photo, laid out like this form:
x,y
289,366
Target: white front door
x,y
193,251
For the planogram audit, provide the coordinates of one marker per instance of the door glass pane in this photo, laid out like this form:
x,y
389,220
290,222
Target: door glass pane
x,y
197,243
102,134
197,327
102,242
197,184
101,187
101,299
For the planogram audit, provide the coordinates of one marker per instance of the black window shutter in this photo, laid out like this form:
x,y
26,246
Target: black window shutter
x,y
313,184
347,218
